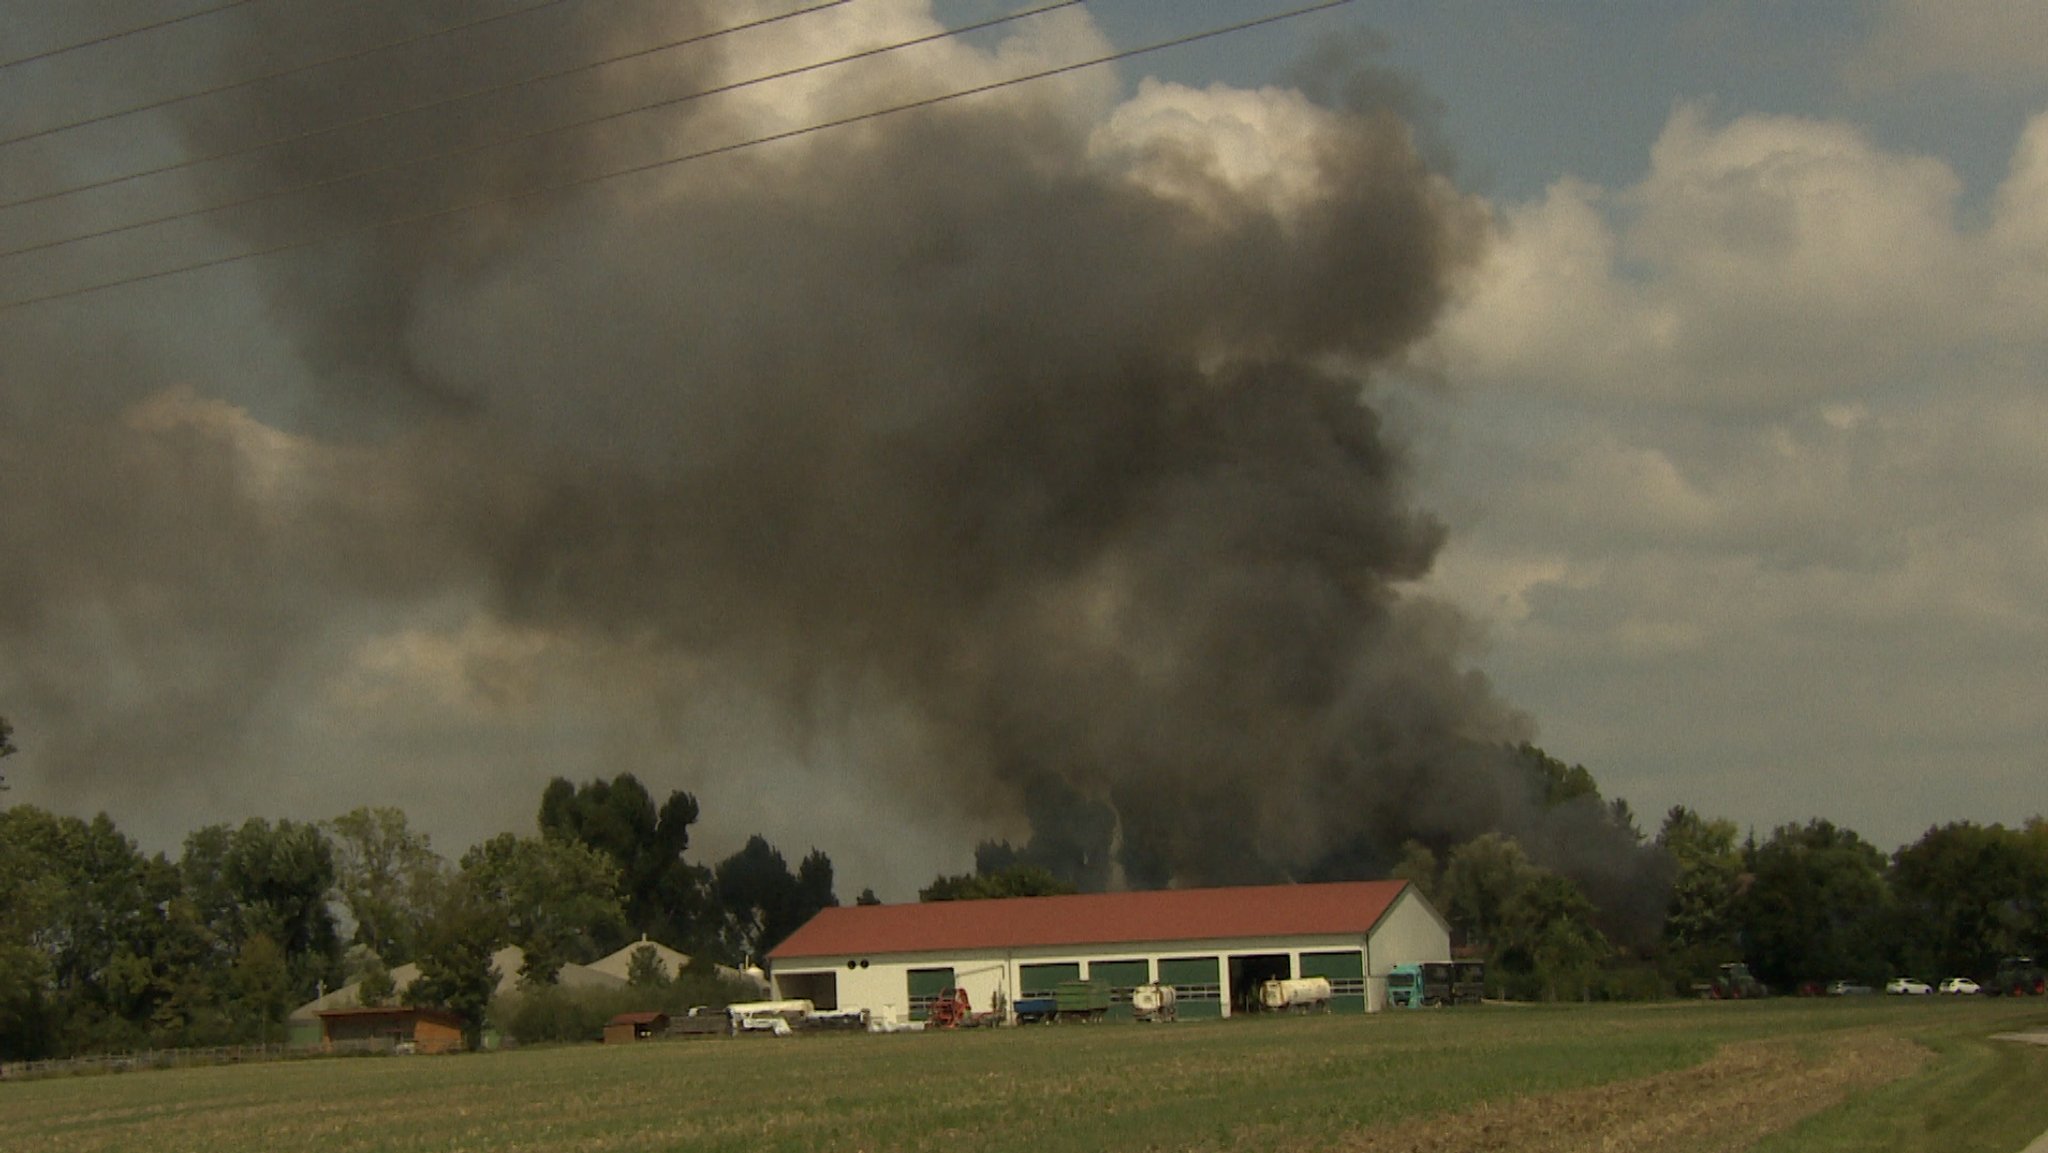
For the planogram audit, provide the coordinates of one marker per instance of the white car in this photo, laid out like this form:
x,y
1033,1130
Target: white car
x,y
1962,985
1907,987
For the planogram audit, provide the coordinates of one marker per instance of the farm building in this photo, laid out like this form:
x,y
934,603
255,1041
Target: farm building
x,y
607,972
304,1022
426,1030
619,964
627,1027
1215,946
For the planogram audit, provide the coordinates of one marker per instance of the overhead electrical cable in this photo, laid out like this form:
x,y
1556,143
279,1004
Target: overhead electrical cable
x,y
426,106
110,37
539,133
281,73
683,158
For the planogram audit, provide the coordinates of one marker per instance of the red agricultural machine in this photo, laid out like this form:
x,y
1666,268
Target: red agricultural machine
x,y
1732,983
949,1011
2019,977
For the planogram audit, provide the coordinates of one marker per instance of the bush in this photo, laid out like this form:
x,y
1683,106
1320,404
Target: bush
x,y
1631,981
553,1013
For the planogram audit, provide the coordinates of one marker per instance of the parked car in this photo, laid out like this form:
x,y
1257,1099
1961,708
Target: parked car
x,y
1961,985
1847,989
1907,987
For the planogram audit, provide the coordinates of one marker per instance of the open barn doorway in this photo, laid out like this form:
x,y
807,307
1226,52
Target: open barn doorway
x,y
1248,971
820,989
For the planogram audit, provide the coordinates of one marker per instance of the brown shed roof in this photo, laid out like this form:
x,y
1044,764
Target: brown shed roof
x,y
1095,919
640,1019
414,1012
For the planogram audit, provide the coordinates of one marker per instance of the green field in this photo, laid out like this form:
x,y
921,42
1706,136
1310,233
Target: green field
x,y
1444,1078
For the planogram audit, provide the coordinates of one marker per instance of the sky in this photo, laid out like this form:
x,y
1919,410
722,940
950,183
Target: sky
x,y
1707,336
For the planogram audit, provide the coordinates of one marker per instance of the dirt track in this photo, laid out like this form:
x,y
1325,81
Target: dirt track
x,y
1743,1093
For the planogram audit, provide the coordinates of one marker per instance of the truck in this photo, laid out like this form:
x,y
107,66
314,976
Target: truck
x,y
1468,982
1404,987
1438,977
2019,977
1433,983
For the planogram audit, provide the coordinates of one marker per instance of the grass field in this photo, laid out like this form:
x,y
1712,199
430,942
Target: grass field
x,y
1779,1076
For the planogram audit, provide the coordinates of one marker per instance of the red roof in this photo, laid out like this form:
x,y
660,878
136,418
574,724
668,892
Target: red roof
x,y
1094,919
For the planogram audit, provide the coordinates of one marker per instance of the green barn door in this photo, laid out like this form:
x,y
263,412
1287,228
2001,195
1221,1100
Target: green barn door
x,y
925,987
1042,980
1121,977
1197,985
1346,973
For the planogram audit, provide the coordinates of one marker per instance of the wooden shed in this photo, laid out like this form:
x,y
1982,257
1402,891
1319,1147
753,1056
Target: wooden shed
x,y
634,1027
426,1030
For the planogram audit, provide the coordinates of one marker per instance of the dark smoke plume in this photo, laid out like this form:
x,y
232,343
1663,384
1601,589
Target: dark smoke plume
x,y
1038,432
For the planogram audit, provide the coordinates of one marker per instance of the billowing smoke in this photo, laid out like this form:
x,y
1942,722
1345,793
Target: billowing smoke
x,y
1014,455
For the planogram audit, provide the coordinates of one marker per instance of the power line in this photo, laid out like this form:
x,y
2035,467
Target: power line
x,y
278,74
684,158
426,106
541,133
113,36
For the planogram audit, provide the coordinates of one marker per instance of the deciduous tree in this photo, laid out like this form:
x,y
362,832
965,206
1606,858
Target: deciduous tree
x,y
1548,932
763,901
1969,894
1483,878
558,900
1816,907
646,970
456,972
1015,881
665,895
1418,867
383,871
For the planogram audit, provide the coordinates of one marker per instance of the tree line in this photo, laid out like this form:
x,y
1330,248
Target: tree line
x,y
104,948
1806,905
1597,909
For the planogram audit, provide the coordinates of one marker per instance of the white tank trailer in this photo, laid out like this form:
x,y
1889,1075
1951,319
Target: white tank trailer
x,y
1302,994
1153,1003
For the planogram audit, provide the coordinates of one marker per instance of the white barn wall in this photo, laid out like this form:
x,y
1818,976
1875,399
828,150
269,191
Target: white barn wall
x,y
1411,932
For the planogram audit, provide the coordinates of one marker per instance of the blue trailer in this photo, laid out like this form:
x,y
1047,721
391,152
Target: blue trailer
x,y
1033,1010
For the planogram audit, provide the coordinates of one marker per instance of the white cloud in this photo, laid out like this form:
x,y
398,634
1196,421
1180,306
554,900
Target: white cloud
x,y
934,67
1760,446
1550,302
1799,232
1198,146
2019,233
1765,261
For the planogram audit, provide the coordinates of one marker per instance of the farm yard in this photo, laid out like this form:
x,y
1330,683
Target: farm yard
x,y
1771,1076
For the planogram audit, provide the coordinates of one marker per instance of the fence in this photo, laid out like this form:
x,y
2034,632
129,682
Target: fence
x,y
181,1058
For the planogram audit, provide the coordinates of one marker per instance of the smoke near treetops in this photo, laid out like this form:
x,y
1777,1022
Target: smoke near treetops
x,y
1000,468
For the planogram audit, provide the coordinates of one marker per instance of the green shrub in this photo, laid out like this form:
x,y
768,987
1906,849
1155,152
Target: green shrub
x,y
554,1013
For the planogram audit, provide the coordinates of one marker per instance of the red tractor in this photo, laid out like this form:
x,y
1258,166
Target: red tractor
x,y
1733,983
